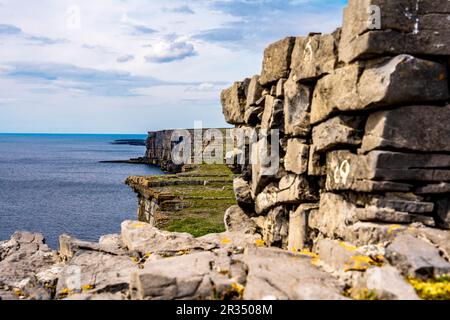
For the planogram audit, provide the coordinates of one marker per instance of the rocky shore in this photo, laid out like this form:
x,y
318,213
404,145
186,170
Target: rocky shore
x,y
358,207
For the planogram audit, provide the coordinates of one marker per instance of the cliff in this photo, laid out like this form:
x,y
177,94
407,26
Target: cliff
x,y
354,205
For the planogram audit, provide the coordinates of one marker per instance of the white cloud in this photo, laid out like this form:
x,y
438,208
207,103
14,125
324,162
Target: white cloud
x,y
168,49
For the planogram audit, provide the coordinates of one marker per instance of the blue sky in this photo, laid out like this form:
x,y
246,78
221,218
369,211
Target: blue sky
x,y
129,66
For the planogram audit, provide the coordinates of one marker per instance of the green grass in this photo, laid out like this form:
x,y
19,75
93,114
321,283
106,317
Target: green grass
x,y
198,227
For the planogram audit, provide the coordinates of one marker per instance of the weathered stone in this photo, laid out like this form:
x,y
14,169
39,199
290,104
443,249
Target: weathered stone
x,y
234,102
236,220
402,205
296,158
254,92
297,108
196,276
392,129
443,212
273,117
388,215
292,189
399,80
69,246
335,255
405,26
145,239
279,92
276,227
253,115
340,131
337,219
298,225
265,164
347,171
96,272
24,256
242,192
416,258
317,164
388,284
437,188
277,61
280,275
314,56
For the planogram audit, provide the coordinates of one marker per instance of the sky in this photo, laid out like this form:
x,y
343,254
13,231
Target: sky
x,y
132,66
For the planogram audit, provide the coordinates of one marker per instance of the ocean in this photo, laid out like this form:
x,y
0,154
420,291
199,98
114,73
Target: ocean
x,y
55,184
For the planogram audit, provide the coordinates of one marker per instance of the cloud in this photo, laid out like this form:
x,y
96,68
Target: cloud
x,y
137,27
11,30
70,77
206,87
125,58
181,9
168,49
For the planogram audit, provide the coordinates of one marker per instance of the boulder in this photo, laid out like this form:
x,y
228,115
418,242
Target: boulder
x,y
95,272
242,192
340,131
236,220
200,276
394,27
276,227
24,256
277,61
314,56
388,284
145,239
234,102
392,129
297,108
297,156
389,81
279,275
69,246
416,258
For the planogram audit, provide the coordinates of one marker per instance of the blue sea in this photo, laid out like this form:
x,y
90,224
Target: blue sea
x,y
55,184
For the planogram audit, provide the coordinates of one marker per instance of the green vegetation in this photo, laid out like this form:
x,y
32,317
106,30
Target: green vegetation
x,y
201,196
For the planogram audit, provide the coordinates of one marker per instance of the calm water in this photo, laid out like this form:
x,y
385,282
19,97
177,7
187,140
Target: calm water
x,y
54,184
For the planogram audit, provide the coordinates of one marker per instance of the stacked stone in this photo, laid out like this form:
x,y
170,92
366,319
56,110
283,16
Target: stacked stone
x,y
364,120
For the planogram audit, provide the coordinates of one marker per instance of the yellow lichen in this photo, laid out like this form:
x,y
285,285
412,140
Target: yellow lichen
x,y
361,294
362,263
138,225
347,246
315,257
394,228
260,243
433,289
87,287
147,255
226,241
238,288
183,252
18,292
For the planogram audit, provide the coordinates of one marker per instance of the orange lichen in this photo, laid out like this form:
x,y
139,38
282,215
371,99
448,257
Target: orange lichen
x,y
226,241
362,263
260,243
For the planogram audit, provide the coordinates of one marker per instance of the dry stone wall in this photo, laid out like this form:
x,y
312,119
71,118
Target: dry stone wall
x,y
364,118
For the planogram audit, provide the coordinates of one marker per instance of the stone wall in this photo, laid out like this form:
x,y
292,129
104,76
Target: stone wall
x,y
363,116
160,146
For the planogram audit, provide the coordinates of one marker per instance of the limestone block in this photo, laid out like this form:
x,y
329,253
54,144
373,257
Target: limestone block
x,y
417,128
277,61
388,81
298,226
273,117
254,92
314,56
234,102
296,158
297,108
337,132
404,26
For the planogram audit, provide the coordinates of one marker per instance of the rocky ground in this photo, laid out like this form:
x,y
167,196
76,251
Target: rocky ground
x,y
144,262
